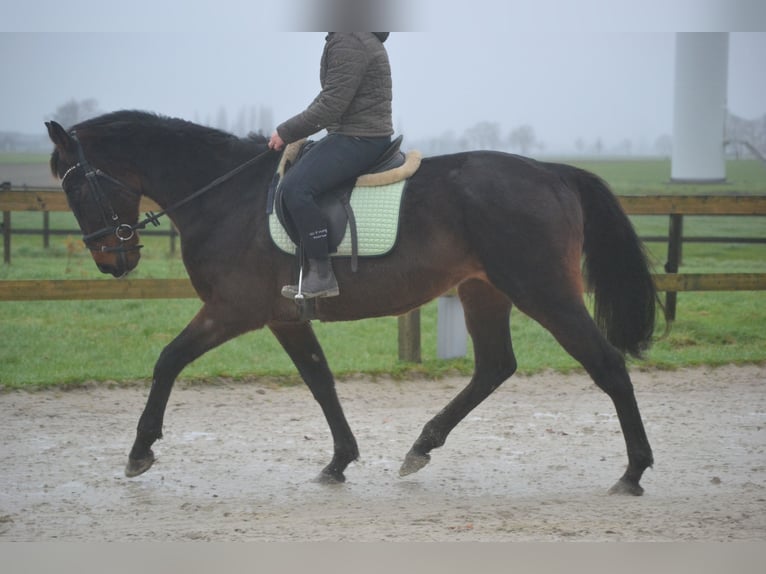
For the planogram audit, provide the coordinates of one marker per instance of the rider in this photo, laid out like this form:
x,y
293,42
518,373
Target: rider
x,y
354,106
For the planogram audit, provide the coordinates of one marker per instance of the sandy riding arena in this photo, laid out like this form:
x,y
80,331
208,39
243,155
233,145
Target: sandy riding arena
x,y
533,462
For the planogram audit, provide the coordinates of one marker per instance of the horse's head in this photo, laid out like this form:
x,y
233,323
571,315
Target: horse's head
x,y
106,205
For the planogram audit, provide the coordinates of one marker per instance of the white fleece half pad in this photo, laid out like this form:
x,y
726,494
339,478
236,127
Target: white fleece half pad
x,y
377,220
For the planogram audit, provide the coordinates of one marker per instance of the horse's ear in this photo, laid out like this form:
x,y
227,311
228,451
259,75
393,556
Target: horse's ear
x,y
59,136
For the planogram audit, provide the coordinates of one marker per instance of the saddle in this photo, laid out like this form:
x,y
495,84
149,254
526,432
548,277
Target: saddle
x,y
393,166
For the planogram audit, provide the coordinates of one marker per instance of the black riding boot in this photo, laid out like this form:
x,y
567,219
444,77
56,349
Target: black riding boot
x,y
319,281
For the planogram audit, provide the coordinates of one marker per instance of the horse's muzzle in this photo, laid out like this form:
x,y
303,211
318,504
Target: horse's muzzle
x,y
117,263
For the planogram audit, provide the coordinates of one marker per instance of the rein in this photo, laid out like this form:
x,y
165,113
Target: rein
x,y
154,217
126,231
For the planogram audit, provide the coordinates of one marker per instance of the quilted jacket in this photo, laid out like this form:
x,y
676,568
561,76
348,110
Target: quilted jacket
x,y
356,94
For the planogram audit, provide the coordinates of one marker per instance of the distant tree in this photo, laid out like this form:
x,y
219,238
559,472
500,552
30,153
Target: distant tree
x,y
483,135
252,124
625,147
447,142
523,139
266,120
6,141
74,112
580,145
222,120
749,136
598,146
240,125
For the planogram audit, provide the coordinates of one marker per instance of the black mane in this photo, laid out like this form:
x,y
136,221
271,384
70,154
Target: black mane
x,y
136,121
138,134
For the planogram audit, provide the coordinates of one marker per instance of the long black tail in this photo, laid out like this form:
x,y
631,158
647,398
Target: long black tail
x,y
616,265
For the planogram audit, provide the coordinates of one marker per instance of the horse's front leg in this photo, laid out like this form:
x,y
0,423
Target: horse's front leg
x,y
299,341
203,333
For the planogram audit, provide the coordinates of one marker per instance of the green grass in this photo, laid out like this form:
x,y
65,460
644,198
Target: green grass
x,y
652,176
69,343
24,158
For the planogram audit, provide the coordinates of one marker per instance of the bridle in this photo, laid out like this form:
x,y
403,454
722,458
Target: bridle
x,y
112,225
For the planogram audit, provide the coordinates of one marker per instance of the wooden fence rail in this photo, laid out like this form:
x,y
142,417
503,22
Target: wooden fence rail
x,y
47,200
99,289
52,199
671,282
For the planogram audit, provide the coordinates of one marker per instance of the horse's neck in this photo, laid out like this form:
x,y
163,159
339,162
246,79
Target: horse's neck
x,y
181,195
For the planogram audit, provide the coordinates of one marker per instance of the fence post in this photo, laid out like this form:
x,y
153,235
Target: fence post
x,y
409,337
7,237
46,229
173,235
675,243
451,332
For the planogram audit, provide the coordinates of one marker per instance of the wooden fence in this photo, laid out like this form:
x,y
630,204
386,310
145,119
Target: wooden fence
x,y
47,200
676,207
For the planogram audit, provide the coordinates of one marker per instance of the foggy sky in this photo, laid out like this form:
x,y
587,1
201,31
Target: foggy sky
x,y
493,61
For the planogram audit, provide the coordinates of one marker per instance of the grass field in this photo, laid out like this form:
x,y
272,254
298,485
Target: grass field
x,y
23,158
55,343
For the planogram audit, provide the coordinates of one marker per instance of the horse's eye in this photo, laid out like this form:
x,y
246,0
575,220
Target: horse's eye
x,y
75,190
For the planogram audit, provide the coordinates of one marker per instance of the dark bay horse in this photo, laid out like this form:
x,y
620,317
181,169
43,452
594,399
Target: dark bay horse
x,y
503,229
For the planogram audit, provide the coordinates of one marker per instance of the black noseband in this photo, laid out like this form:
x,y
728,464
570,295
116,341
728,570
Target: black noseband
x,y
112,226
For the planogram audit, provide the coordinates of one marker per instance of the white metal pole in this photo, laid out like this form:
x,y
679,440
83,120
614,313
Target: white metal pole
x,y
699,120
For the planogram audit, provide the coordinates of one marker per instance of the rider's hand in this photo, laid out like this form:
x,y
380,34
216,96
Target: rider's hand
x,y
276,142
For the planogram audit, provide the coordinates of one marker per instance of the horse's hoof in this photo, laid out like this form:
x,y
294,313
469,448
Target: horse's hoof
x,y
330,477
413,462
140,465
626,488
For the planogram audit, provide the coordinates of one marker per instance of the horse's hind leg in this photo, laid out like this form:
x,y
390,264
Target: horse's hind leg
x,y
299,341
487,313
574,328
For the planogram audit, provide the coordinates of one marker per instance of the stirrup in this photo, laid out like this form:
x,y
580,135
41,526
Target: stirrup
x,y
294,292
297,293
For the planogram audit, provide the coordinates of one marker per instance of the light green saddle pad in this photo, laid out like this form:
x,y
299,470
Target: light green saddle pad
x,y
376,210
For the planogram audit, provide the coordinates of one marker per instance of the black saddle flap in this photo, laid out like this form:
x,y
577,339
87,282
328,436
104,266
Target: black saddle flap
x,y
335,205
334,208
